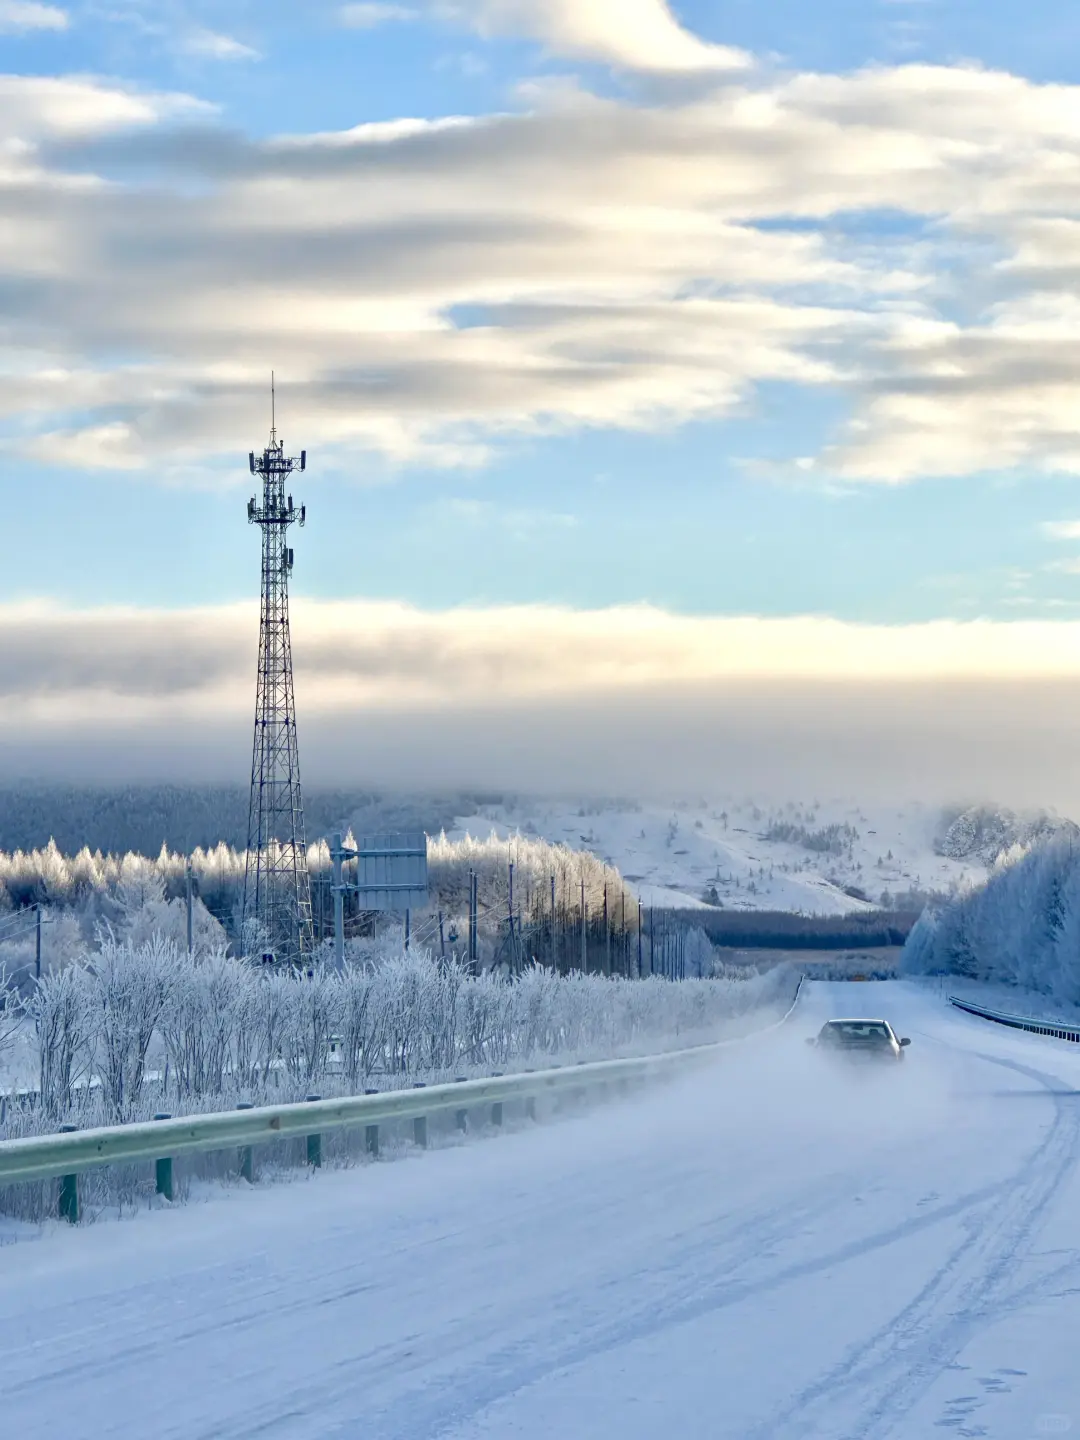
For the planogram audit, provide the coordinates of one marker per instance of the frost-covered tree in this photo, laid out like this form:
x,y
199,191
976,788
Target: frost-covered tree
x,y
130,1026
203,1014
128,989
1021,927
700,955
10,1012
63,1017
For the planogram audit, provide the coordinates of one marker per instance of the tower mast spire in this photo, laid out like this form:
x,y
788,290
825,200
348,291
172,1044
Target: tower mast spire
x,y
277,888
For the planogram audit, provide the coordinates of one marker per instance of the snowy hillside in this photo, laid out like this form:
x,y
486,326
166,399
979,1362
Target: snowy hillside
x,y
822,858
987,831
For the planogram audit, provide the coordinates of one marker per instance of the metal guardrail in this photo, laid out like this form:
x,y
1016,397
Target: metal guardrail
x,y
1057,1029
67,1154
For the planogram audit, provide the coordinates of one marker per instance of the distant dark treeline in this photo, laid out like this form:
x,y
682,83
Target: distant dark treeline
x,y
778,930
141,818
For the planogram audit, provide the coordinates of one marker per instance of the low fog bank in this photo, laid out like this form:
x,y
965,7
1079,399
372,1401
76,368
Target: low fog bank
x,y
1007,741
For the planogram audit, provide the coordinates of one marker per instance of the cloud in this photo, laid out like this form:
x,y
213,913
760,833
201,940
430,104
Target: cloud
x,y
359,655
441,284
40,109
19,16
368,14
630,700
631,34
210,45
1062,529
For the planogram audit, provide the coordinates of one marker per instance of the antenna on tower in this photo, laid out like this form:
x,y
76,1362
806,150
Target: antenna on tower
x,y
273,412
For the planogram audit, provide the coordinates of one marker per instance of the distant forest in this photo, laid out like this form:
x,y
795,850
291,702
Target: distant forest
x,y
142,818
779,930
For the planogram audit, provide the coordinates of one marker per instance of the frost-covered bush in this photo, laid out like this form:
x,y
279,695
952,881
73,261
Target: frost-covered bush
x,y
63,1019
1022,927
206,1025
131,1029
126,991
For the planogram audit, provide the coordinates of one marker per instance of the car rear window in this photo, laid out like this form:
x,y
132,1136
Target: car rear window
x,y
841,1030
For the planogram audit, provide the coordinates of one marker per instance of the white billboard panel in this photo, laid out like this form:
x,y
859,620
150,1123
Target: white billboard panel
x,y
392,871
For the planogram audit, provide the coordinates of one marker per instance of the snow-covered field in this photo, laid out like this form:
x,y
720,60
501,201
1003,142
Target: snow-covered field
x,y
769,1252
674,854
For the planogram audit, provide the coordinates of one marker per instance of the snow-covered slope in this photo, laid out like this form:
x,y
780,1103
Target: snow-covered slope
x,y
821,858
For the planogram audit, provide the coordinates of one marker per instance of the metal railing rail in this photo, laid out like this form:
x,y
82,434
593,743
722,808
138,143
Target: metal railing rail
x,y
1057,1029
67,1154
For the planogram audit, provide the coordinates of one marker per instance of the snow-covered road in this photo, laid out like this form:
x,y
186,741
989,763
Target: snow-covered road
x,y
771,1251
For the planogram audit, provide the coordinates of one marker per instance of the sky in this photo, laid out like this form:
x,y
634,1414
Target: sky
x,y
633,346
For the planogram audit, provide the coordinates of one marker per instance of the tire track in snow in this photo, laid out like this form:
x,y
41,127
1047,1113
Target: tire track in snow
x,y
445,1353
884,1376
565,1335
683,1297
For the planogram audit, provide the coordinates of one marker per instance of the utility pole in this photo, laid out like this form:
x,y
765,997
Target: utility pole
x,y
512,954
554,952
584,951
607,935
188,895
624,963
277,887
476,920
337,856
639,939
442,942
473,950
37,952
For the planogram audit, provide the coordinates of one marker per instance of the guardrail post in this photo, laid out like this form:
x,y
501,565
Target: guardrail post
x,y
497,1109
461,1117
371,1134
68,1207
420,1121
163,1169
247,1158
314,1143
530,1101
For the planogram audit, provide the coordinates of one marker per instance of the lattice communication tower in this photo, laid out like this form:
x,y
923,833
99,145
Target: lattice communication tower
x,y
277,889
